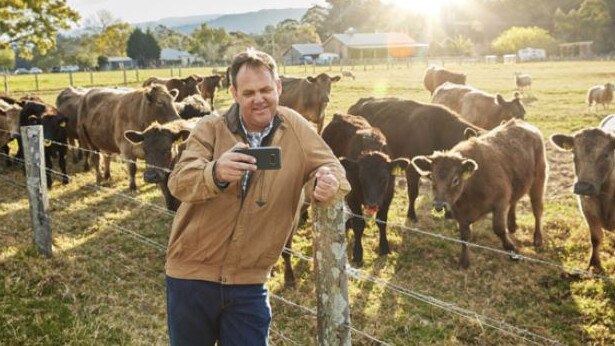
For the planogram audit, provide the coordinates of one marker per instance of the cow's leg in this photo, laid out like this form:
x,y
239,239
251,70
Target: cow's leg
x,y
48,167
464,232
596,233
171,202
107,163
132,172
499,226
289,275
382,215
512,217
7,159
96,164
62,162
412,178
536,199
358,225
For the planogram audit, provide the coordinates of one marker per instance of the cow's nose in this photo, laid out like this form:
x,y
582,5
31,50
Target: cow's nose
x,y
584,189
439,206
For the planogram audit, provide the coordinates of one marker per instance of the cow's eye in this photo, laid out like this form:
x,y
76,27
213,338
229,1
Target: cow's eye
x,y
455,181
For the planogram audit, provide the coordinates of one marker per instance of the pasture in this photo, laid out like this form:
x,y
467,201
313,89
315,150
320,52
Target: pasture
x,y
105,283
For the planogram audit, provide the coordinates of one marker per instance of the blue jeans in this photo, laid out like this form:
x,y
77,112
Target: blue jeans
x,y
202,312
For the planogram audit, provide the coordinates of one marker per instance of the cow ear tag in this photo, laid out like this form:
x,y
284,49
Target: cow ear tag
x,y
466,174
397,171
63,124
178,141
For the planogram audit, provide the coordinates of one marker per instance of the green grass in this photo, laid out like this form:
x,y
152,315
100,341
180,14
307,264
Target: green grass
x,y
104,286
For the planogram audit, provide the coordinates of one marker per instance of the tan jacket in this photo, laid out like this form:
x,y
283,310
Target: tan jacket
x,y
217,237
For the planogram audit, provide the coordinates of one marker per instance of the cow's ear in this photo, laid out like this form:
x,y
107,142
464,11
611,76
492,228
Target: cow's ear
x,y
468,167
174,93
134,137
422,164
150,94
182,136
311,79
499,99
350,165
563,142
336,78
399,166
470,133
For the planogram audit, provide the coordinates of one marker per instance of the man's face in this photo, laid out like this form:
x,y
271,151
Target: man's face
x,y
257,94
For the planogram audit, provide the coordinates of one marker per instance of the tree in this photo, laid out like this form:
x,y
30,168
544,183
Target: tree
x,y
143,47
168,38
515,38
589,22
210,43
316,16
29,24
113,40
285,34
100,21
7,59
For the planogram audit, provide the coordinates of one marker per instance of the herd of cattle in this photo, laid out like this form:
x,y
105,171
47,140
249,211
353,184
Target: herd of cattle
x,y
475,147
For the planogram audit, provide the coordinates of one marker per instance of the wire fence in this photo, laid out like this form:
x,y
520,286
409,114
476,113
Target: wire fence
x,y
501,326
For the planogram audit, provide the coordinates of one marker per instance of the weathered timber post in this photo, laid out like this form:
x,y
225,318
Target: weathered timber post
x,y
125,77
37,187
70,78
137,74
314,66
331,278
36,82
6,81
91,78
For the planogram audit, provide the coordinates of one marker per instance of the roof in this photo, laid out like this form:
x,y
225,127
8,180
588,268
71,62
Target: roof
x,y
363,40
174,54
119,59
308,48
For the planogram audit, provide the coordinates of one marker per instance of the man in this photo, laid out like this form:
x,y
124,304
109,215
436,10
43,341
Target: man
x,y
234,219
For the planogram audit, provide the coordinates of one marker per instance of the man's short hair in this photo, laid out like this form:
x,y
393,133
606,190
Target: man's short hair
x,y
253,59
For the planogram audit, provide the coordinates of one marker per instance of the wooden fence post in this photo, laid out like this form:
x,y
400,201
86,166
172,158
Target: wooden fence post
x,y
91,78
179,71
305,67
125,77
70,78
6,81
314,66
172,71
34,156
137,74
331,279
36,81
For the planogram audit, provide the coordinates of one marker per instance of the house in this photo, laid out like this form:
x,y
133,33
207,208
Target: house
x,y
302,53
352,45
119,63
170,56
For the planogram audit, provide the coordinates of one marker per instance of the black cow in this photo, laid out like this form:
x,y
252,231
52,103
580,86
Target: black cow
x,y
55,142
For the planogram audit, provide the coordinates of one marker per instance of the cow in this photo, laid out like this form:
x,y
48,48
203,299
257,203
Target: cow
x,y
9,126
413,128
162,144
363,153
185,87
602,94
348,74
523,81
308,96
451,95
67,103
436,76
31,108
594,159
488,111
208,86
489,174
105,114
192,106
55,142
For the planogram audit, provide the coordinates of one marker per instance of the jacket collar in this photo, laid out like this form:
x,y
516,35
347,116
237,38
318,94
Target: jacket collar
x,y
234,125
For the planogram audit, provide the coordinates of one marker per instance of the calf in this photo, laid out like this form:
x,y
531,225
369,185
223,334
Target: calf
x,y
9,127
602,94
594,159
363,153
436,76
488,111
413,128
308,96
162,146
490,174
55,142
208,86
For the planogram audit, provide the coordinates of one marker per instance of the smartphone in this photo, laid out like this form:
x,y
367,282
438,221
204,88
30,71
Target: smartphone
x,y
266,157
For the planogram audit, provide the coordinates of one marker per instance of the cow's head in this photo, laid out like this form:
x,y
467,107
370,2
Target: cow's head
x,y
192,106
322,82
513,108
54,128
373,172
593,158
12,117
449,174
29,109
160,145
160,102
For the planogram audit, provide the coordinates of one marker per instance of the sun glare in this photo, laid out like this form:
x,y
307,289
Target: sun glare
x,y
428,7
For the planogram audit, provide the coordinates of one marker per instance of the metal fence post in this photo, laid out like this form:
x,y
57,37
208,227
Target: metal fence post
x,y
34,156
331,279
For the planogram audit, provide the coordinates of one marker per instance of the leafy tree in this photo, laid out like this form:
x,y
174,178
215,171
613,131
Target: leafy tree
x,y
143,47
210,43
238,42
29,24
7,59
102,61
515,38
168,38
316,16
287,33
112,41
589,22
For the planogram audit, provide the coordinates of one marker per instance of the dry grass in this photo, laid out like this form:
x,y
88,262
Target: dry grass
x,y
105,283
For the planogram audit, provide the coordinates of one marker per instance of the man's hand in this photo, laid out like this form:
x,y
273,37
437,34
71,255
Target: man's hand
x,y
326,185
231,165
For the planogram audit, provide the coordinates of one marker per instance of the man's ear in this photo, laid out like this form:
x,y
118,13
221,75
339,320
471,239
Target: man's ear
x,y
278,83
422,164
563,142
468,167
134,137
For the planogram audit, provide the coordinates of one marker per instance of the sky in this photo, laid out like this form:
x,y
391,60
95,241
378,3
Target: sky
x,y
136,11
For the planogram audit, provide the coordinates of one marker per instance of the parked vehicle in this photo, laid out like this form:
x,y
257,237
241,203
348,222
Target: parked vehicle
x,y
21,70
35,70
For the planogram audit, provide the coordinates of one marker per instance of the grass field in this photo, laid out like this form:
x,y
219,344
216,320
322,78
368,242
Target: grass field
x,y
105,283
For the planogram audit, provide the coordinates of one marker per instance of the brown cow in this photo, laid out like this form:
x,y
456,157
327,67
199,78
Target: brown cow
x,y
413,128
162,144
451,95
9,126
594,158
363,153
488,111
308,96
186,86
488,174
67,103
105,114
192,106
208,86
436,76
